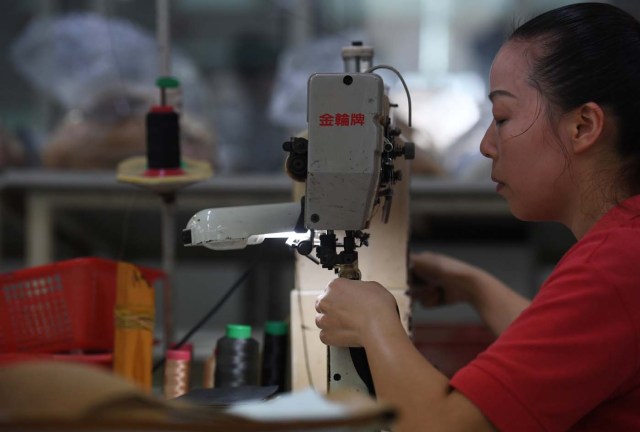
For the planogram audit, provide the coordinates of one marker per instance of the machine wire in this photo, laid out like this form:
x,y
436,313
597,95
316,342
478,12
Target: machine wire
x,y
305,347
404,84
209,314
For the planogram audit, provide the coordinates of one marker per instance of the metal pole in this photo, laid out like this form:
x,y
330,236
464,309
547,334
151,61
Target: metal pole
x,y
168,263
163,36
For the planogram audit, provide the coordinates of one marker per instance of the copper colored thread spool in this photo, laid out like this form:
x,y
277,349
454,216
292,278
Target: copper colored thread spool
x,y
209,371
177,373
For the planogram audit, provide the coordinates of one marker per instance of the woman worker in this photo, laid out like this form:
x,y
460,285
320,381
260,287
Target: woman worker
x,y
565,147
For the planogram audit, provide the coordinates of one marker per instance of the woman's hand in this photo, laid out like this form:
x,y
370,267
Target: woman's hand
x,y
351,312
439,279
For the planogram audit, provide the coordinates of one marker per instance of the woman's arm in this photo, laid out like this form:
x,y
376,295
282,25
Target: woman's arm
x,y
355,313
442,278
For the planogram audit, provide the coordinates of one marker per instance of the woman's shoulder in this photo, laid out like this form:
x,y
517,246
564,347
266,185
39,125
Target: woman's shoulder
x,y
615,237
613,243
603,263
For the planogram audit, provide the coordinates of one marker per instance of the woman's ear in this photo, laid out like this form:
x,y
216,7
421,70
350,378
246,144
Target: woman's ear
x,y
586,126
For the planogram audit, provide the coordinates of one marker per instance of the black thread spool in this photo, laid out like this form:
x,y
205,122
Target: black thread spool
x,y
163,131
237,358
163,138
274,354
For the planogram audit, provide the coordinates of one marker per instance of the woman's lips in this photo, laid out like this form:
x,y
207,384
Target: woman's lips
x,y
499,184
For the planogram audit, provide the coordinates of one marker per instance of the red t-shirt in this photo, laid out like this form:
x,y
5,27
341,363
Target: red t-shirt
x,y
571,360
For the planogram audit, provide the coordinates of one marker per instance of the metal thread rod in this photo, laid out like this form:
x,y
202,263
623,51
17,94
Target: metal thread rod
x,y
168,263
163,36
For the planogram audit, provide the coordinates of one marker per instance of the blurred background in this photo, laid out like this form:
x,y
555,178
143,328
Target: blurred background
x,y
77,77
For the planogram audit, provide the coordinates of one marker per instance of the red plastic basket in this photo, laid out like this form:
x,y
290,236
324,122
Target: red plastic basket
x,y
65,307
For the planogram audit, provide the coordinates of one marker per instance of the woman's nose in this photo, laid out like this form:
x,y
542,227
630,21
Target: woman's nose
x,y
487,145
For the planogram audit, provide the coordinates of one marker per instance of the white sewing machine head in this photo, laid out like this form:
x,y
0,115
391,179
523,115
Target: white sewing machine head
x,y
346,162
346,117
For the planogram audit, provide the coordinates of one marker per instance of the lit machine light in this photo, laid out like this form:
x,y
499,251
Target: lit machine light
x,y
229,228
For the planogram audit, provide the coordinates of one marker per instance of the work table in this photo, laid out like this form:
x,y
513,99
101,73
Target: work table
x,y
44,192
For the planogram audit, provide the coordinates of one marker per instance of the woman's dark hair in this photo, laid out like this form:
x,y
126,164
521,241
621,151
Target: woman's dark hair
x,y
590,52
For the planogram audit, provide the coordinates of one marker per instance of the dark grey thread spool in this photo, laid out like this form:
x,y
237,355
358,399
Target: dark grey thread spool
x,y
274,354
237,358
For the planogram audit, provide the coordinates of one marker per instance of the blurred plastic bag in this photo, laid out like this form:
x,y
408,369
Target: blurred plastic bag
x,y
103,71
75,56
288,105
12,152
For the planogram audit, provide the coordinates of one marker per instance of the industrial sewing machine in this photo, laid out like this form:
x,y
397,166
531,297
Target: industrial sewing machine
x,y
347,164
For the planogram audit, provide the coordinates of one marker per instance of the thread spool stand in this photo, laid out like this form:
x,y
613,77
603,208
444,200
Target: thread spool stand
x,y
163,152
164,172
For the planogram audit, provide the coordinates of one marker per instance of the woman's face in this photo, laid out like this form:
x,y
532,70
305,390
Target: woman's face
x,y
528,162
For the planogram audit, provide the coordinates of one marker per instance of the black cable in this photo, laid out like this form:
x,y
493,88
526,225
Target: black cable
x,y
303,332
209,314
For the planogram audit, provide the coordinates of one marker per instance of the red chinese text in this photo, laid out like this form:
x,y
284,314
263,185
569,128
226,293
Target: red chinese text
x,y
341,119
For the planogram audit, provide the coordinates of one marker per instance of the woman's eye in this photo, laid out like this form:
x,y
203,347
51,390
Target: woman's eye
x,y
499,121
